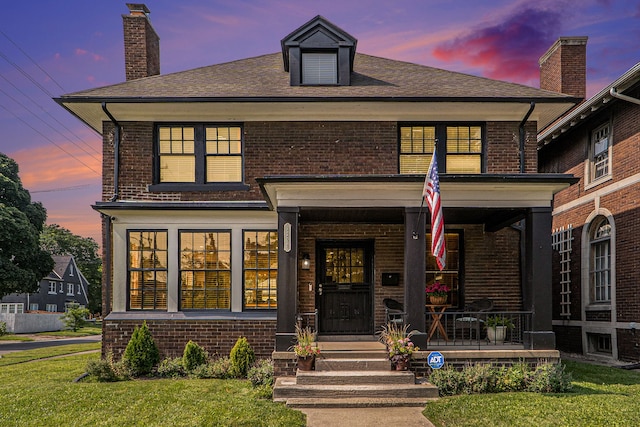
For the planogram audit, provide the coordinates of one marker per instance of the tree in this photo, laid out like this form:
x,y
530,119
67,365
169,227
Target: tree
x,y
75,317
58,240
22,262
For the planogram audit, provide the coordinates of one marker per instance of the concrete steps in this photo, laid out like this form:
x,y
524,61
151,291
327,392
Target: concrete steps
x,y
353,379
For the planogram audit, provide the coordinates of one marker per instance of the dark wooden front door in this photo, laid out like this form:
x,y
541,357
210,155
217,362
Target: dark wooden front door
x,y
345,288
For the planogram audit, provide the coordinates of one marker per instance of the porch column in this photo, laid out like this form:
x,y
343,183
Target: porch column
x,y
536,295
287,276
414,273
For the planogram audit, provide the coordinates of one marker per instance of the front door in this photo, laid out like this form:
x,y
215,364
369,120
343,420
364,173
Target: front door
x,y
345,287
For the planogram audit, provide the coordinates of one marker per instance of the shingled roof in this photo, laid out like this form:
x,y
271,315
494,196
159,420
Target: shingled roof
x,y
265,77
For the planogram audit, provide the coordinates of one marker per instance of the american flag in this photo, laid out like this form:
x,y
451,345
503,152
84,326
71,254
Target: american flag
x,y
431,194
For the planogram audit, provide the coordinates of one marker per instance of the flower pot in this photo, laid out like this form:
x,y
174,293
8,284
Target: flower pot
x,y
306,363
496,334
438,299
402,364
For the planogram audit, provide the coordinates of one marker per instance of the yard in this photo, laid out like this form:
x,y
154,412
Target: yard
x,y
41,392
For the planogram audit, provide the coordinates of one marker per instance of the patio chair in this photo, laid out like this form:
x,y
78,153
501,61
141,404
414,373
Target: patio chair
x,y
470,322
394,311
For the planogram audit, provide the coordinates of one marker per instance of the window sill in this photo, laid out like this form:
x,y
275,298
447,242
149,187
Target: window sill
x,y
192,315
598,307
598,181
227,186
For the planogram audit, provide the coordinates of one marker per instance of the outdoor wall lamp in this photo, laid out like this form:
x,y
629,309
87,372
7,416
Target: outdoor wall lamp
x,y
306,261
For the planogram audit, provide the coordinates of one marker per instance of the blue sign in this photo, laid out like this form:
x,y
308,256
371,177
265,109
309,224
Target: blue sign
x,y
435,360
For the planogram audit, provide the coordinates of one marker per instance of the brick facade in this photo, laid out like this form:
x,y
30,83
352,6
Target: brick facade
x,y
141,45
563,67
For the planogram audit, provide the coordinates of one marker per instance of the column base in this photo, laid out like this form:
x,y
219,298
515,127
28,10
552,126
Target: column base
x,y
284,340
420,339
540,340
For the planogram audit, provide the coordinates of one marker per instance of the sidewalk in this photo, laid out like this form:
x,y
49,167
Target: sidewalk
x,y
365,417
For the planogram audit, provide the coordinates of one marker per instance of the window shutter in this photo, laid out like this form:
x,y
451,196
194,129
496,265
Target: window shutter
x,y
319,69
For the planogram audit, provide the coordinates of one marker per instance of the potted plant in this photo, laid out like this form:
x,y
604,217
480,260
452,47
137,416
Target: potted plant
x,y
305,348
437,293
399,346
497,327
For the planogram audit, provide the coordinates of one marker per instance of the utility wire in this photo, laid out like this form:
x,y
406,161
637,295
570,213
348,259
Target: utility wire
x,y
27,75
74,187
32,61
51,141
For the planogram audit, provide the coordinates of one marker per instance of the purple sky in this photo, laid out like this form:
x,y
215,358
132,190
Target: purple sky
x,y
48,48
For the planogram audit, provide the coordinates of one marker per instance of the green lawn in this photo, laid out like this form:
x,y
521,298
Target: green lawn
x,y
90,329
601,396
42,393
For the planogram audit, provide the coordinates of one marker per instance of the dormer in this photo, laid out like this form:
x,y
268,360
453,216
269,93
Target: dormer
x,y
319,54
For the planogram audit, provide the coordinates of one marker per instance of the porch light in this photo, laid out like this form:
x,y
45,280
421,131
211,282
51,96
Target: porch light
x,y
306,261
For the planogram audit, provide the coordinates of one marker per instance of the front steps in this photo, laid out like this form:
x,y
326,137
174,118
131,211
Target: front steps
x,y
353,379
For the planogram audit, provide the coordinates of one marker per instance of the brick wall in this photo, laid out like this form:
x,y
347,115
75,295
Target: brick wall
x,y
563,67
629,345
215,336
503,148
141,47
568,339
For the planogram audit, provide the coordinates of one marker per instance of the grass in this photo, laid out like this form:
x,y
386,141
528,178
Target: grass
x,y
91,329
42,393
13,337
43,353
602,396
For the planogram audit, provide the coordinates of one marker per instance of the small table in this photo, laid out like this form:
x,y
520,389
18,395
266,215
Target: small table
x,y
437,311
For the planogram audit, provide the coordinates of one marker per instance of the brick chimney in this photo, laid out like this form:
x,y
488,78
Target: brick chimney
x,y
563,68
141,43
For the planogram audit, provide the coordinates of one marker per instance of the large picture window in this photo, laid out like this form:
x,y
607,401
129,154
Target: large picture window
x,y
205,270
450,276
199,154
600,260
260,269
459,147
147,270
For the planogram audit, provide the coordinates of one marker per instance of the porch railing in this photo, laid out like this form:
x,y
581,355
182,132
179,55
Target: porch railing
x,y
309,319
464,328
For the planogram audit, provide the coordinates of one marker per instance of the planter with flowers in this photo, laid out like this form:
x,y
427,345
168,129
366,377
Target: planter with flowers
x,y
399,345
305,348
437,293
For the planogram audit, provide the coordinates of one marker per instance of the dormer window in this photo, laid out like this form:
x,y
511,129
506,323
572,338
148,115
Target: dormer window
x,y
319,68
319,53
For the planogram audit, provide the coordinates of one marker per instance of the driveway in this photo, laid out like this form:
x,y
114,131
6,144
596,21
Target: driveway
x,y
42,342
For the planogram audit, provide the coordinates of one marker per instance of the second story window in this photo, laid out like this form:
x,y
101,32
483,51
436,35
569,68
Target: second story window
x,y
600,145
459,147
199,154
319,68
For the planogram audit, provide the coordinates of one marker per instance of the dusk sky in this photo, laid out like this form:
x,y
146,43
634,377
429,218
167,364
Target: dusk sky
x,y
49,48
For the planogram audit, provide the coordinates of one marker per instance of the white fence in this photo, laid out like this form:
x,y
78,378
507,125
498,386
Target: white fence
x,y
26,323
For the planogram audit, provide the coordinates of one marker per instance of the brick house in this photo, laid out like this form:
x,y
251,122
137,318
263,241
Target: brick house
x,y
596,308
238,196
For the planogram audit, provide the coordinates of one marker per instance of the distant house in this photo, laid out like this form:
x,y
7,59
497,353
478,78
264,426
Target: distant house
x,y
596,222
239,197
63,286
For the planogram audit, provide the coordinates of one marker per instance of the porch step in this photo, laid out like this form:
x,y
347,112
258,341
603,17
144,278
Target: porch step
x,y
286,388
348,363
353,354
355,402
354,377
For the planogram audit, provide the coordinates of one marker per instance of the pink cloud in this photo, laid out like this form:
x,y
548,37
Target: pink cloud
x,y
94,56
508,50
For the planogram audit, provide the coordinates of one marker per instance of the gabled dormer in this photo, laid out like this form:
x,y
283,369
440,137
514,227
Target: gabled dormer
x,y
319,54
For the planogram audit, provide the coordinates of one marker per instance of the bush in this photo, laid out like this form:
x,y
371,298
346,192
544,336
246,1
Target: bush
x,y
220,368
550,378
479,378
242,357
171,368
447,379
3,328
75,317
193,356
107,370
261,373
142,353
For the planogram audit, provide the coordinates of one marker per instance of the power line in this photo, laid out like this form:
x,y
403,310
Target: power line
x,y
73,187
27,75
51,141
31,59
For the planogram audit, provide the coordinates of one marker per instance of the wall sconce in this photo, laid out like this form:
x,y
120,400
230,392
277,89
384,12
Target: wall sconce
x,y
306,261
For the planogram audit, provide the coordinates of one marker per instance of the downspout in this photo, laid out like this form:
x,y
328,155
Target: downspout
x,y
522,135
615,94
116,152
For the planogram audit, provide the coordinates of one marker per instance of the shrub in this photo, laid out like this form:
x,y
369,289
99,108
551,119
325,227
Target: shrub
x,y
242,357
171,368
447,379
74,317
142,353
220,368
550,378
3,328
478,378
261,373
107,370
513,378
193,356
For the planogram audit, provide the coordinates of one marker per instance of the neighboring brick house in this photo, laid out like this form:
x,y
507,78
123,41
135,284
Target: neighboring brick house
x,y
596,222
63,286
239,195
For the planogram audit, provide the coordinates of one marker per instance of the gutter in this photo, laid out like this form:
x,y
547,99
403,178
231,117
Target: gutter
x,y
116,152
522,135
618,95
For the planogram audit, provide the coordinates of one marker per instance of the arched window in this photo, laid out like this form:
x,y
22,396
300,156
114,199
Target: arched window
x,y
600,260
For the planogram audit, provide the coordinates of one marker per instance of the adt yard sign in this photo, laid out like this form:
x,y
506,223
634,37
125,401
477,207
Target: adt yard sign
x,y
435,360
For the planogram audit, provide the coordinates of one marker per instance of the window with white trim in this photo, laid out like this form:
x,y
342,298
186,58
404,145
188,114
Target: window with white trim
x,y
600,163
34,306
52,288
12,308
52,308
70,289
600,260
